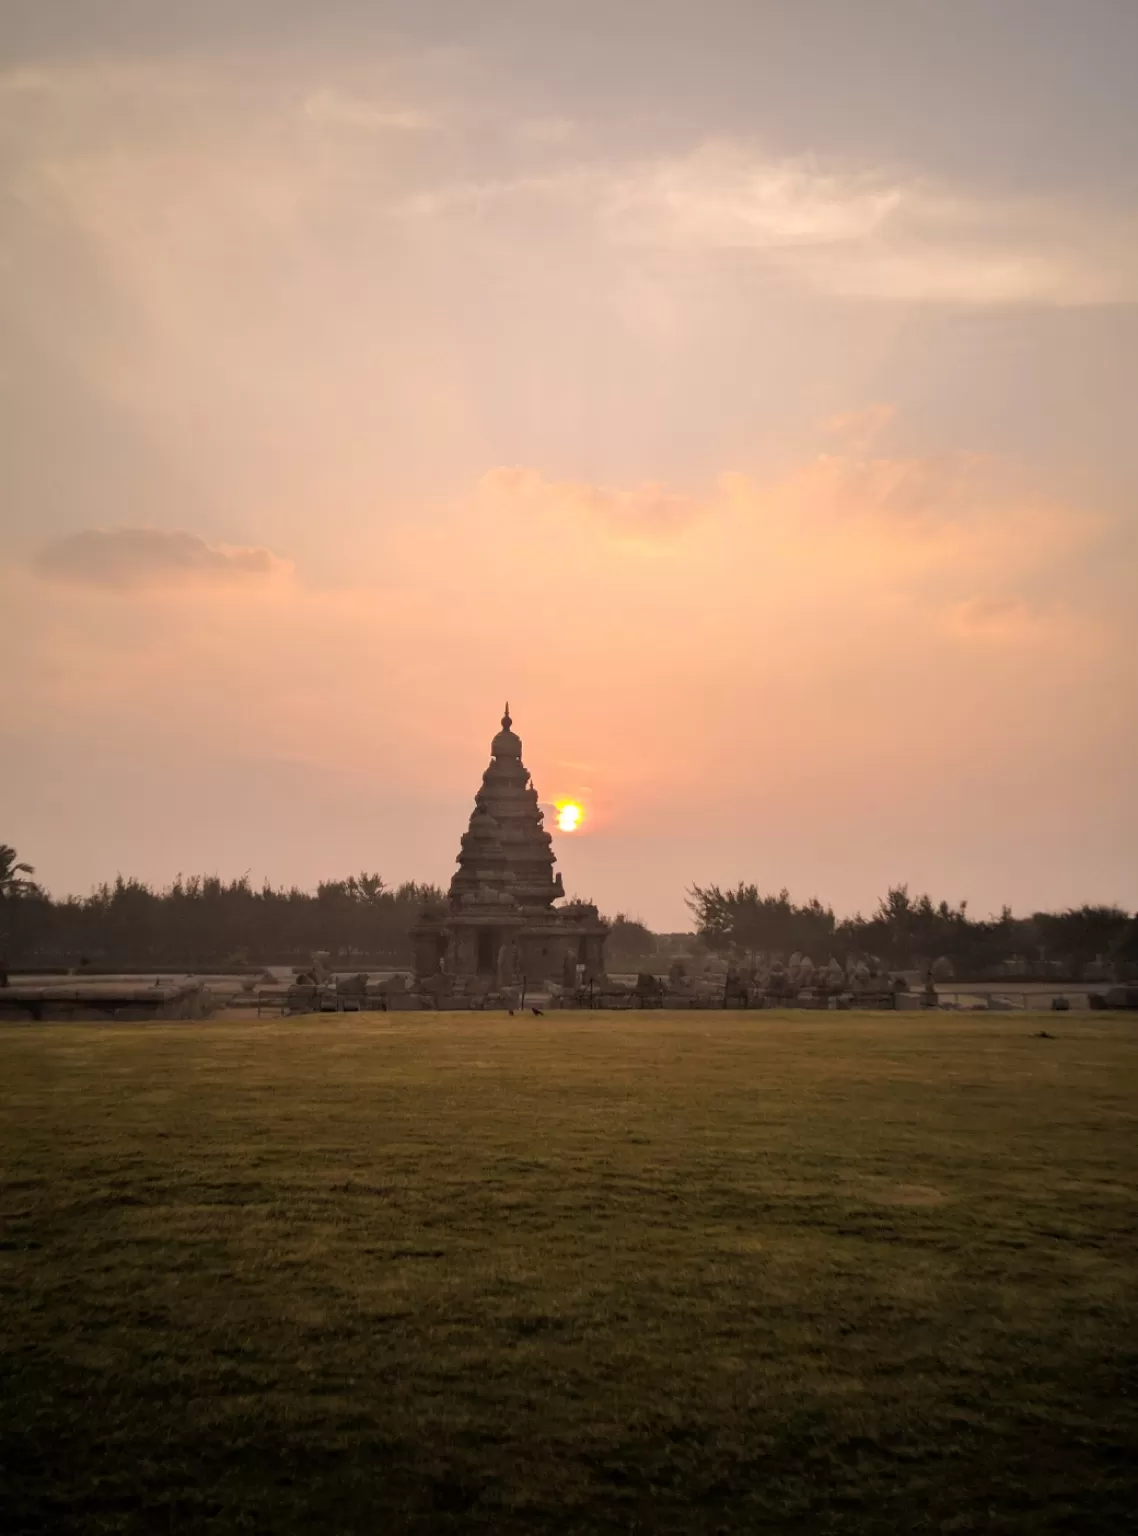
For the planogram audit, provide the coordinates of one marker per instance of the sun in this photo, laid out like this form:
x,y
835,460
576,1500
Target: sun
x,y
569,815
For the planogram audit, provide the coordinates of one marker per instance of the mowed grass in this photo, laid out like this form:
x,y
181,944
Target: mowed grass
x,y
662,1272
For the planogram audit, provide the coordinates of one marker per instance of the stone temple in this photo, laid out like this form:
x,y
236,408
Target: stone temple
x,y
501,925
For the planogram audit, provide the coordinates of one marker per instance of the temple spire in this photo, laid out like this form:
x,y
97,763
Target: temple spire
x,y
500,917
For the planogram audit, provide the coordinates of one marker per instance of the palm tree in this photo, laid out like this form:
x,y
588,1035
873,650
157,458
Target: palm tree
x,y
13,873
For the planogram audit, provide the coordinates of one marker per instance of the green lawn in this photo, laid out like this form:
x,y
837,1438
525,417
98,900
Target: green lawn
x,y
661,1272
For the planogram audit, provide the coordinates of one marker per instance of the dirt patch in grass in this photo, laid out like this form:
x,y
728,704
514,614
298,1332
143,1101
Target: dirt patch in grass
x,y
625,1272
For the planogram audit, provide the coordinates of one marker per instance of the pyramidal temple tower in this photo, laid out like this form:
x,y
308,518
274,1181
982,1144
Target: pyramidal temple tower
x,y
501,923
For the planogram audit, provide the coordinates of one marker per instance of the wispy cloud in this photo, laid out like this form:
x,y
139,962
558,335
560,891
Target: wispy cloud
x,y
944,550
858,430
650,511
1008,620
853,231
342,108
861,233
136,558
928,506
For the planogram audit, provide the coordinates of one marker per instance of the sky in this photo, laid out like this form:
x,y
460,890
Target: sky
x,y
746,390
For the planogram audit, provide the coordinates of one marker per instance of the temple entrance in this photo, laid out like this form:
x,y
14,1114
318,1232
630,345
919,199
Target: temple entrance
x,y
487,952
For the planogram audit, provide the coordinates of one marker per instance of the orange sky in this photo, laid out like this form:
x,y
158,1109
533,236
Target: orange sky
x,y
777,465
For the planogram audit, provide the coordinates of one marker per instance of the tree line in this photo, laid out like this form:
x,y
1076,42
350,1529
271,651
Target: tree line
x,y
912,931
200,922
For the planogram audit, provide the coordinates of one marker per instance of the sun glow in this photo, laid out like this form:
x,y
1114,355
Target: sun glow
x,y
569,815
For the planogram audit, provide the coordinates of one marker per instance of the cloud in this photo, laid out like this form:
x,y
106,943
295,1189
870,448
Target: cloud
x,y
724,194
908,493
822,606
1010,620
343,109
857,233
858,430
646,511
993,616
947,510
135,558
947,505
867,233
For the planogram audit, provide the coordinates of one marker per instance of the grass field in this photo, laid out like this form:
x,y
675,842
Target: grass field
x,y
665,1273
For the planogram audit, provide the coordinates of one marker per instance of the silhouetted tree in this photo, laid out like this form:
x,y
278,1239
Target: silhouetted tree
x,y
741,919
13,874
1081,935
202,922
629,942
912,931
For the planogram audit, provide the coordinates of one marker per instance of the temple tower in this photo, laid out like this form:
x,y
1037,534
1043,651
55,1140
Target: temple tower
x,y
508,797
501,923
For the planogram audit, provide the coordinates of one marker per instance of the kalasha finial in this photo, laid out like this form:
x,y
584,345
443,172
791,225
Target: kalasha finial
x,y
506,721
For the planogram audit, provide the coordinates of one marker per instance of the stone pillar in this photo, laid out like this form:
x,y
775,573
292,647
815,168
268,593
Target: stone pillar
x,y
429,943
464,952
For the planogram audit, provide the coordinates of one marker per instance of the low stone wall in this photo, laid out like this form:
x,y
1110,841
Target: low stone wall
x,y
104,1000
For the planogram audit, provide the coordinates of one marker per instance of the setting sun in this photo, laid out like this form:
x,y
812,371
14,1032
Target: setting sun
x,y
569,815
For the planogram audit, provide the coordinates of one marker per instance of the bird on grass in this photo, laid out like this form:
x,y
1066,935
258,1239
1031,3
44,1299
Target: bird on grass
x,y
538,1013
1043,1035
